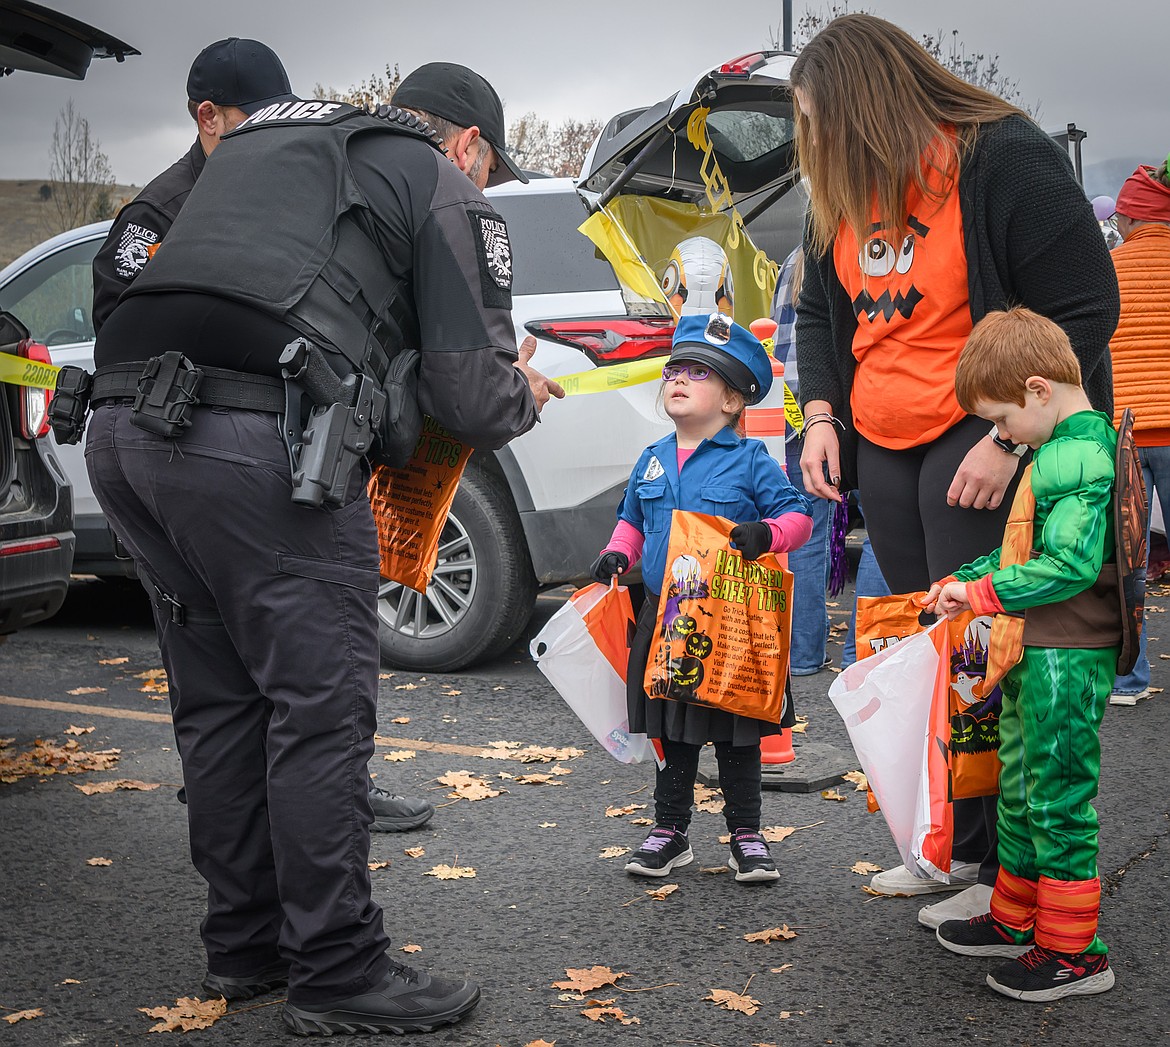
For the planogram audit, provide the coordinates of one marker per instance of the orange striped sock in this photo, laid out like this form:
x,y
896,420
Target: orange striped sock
x,y
1013,903
1067,913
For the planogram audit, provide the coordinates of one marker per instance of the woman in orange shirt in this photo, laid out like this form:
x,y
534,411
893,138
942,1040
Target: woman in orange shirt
x,y
932,203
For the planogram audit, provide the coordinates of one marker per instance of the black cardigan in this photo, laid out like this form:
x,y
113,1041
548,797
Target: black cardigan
x,y
1031,239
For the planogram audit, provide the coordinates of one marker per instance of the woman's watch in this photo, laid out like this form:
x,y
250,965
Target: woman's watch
x,y
1019,450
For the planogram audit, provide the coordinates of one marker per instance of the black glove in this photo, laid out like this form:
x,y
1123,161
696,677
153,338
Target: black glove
x,y
752,540
607,565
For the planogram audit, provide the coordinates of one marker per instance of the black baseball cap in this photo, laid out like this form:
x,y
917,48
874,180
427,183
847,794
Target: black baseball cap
x,y
242,73
462,96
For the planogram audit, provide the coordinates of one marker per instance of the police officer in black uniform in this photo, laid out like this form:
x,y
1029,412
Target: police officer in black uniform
x,y
326,260
229,80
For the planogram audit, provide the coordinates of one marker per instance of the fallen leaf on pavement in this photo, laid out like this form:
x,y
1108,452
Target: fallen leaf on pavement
x,y
546,754
93,788
865,868
777,833
46,757
415,852
384,676
586,979
466,786
406,687
599,1010
29,1015
398,755
187,1014
618,812
664,892
536,779
375,866
781,969
451,872
614,852
412,948
641,821
541,1043
78,730
832,794
858,778
70,981
401,719
734,1001
772,934
98,861
87,690
113,661
452,693
716,869
547,825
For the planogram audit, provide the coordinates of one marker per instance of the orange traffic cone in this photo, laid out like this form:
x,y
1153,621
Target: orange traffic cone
x,y
777,748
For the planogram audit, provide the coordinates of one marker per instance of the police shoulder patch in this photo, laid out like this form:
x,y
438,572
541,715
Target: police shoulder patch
x,y
490,233
136,247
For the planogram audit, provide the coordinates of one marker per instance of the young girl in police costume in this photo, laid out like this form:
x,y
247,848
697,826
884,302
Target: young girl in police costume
x,y
716,368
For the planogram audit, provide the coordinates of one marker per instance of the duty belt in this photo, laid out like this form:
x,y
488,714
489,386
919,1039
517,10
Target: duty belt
x,y
218,387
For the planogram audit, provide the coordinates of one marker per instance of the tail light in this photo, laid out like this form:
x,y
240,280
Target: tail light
x,y
743,65
609,340
34,402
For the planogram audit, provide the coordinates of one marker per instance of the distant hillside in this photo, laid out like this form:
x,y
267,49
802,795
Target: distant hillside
x,y
26,219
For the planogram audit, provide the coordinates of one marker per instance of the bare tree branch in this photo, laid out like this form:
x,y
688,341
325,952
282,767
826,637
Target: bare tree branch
x,y
80,176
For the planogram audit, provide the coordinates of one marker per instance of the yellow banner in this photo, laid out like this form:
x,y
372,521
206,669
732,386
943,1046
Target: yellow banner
x,y
16,370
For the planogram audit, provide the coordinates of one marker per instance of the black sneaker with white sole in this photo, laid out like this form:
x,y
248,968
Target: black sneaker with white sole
x,y
981,935
396,814
1042,975
750,858
407,1001
664,849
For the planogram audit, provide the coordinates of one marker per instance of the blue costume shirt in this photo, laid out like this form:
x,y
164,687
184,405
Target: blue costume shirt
x,y
724,476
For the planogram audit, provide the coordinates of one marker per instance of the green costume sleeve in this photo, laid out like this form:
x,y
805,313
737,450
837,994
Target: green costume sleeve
x,y
1073,483
975,570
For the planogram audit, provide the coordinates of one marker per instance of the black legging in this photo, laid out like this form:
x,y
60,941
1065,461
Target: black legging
x,y
918,539
739,781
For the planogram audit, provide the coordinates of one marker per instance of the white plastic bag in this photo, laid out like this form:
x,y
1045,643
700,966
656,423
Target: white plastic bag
x,y
583,650
885,701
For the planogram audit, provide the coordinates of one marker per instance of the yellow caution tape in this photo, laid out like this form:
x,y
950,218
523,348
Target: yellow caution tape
x,y
638,372
16,370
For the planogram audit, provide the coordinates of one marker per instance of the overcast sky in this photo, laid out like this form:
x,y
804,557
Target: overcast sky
x,y
1100,65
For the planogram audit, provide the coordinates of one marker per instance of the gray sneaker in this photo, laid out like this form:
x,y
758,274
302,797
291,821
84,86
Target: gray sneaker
x,y
397,814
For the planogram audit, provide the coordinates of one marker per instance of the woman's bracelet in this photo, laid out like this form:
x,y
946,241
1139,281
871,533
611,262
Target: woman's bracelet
x,y
812,419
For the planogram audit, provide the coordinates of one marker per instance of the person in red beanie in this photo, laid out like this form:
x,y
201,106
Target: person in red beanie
x,y
1140,348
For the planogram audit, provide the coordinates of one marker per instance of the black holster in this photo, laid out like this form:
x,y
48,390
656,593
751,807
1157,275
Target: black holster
x,y
70,404
167,392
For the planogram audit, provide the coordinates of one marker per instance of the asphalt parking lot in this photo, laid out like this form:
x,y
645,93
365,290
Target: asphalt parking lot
x,y
90,945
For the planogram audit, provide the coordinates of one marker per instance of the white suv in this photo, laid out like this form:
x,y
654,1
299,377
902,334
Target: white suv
x,y
536,512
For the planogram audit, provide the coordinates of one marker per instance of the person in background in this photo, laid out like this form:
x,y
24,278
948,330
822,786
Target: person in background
x,y
932,203
715,369
809,563
1140,349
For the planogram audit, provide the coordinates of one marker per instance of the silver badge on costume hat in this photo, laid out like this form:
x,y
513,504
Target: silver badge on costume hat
x,y
718,329
653,469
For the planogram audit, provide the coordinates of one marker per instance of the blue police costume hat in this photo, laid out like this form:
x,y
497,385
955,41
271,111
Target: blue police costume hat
x,y
731,351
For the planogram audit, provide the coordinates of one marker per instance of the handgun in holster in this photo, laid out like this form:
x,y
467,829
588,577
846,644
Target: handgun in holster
x,y
70,404
340,428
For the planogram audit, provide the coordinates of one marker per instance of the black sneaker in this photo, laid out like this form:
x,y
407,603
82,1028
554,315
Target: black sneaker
x,y
244,987
406,1001
981,935
1041,975
664,849
750,857
396,814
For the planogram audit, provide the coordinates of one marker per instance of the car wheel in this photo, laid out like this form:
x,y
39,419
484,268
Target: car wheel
x,y
481,595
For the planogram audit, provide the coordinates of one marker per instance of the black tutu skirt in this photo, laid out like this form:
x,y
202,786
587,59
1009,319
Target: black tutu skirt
x,y
681,721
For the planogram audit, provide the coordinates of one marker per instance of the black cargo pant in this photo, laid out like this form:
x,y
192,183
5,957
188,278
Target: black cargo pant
x,y
273,680
919,539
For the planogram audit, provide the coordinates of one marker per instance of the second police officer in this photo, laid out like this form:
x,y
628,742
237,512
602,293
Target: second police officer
x,y
355,232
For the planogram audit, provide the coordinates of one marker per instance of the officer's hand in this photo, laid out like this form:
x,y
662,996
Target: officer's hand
x,y
752,539
607,565
542,388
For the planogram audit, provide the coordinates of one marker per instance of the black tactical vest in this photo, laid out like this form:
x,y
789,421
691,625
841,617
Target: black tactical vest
x,y
276,222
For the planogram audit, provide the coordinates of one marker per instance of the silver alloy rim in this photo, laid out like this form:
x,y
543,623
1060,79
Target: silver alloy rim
x,y
448,597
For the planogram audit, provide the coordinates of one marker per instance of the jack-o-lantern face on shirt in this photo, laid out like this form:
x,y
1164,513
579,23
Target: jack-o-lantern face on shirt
x,y
882,261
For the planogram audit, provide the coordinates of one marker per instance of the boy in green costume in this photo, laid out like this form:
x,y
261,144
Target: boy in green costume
x,y
1056,569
